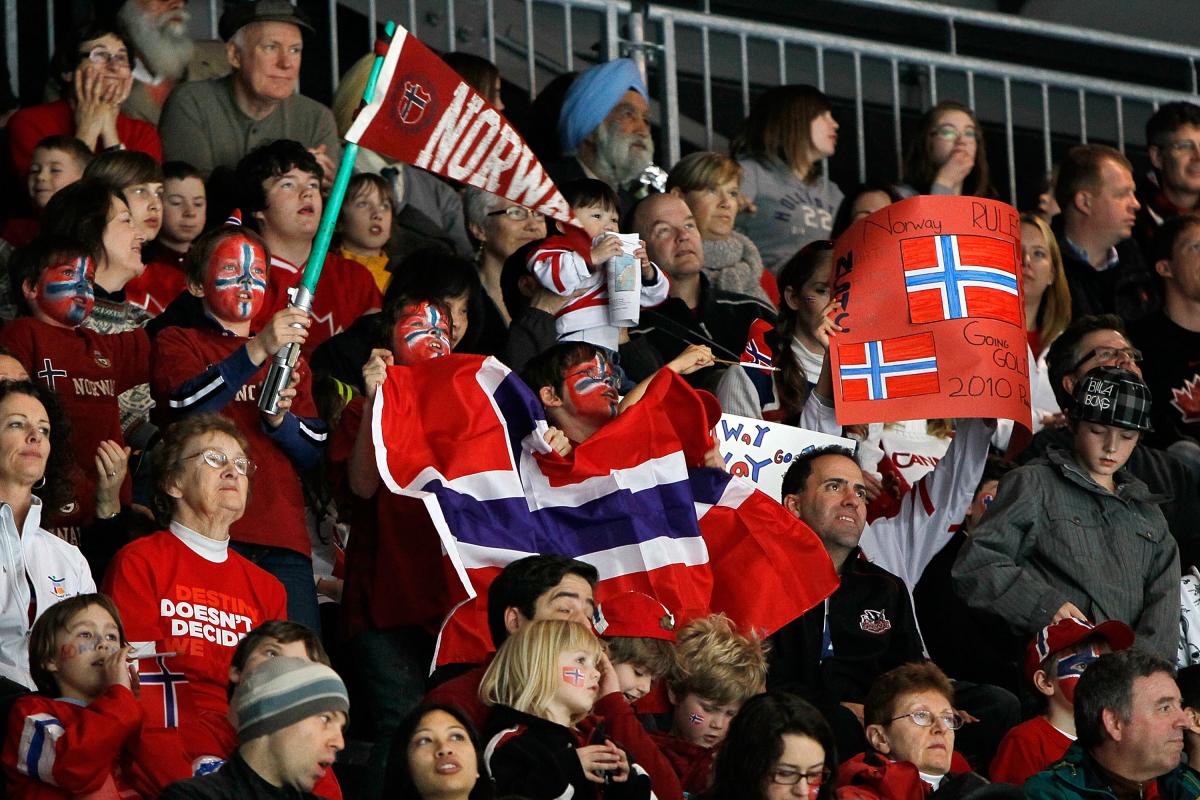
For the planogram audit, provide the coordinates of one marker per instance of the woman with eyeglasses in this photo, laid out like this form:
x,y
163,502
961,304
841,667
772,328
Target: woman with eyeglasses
x,y
186,597
779,746
94,75
910,725
499,227
216,366
787,201
947,153
39,568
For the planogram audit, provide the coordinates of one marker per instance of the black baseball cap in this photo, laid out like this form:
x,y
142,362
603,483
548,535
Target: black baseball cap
x,y
238,16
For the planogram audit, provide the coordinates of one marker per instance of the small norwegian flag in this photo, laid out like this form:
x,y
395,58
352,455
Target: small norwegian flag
x,y
889,368
960,276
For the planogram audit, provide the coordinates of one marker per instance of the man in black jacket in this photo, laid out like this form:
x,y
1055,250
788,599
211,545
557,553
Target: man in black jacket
x,y
289,714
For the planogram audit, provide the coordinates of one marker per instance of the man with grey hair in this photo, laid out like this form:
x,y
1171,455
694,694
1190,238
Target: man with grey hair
x,y
1130,722
604,131
164,54
214,123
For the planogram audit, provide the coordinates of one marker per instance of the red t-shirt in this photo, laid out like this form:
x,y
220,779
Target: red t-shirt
x,y
198,609
28,126
1026,750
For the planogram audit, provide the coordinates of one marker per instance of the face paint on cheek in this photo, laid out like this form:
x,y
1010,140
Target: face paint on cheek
x,y
1071,669
65,293
593,389
237,285
422,332
574,676
696,719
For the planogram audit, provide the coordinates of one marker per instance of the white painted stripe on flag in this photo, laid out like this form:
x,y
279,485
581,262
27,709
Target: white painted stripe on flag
x,y
614,562
367,115
671,468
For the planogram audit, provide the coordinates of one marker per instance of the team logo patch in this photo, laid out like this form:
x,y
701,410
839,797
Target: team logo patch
x,y
100,360
874,621
413,102
57,587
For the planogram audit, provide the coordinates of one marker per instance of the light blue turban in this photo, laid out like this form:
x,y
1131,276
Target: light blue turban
x,y
592,96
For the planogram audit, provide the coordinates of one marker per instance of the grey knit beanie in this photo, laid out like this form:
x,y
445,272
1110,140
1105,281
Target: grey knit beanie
x,y
283,691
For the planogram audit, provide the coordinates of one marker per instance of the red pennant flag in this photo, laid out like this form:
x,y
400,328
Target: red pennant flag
x,y
423,113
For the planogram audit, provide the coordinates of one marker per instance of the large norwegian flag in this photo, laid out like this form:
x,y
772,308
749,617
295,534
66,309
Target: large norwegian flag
x,y
957,276
423,113
889,368
465,435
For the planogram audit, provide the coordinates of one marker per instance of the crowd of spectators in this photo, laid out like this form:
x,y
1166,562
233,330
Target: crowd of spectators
x,y
1016,609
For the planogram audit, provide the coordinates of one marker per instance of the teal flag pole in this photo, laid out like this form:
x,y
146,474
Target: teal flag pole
x,y
284,363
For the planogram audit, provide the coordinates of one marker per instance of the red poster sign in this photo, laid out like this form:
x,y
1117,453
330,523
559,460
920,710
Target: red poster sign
x,y
423,113
934,312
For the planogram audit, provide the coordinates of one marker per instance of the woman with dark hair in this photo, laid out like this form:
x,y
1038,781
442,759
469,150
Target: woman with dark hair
x,y
947,154
778,746
93,69
798,342
40,568
436,753
863,201
789,132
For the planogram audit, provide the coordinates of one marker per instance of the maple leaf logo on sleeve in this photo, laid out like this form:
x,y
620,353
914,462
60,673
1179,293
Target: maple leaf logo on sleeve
x,y
1187,399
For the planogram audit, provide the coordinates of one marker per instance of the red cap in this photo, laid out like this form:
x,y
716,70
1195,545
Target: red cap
x,y
1069,632
633,614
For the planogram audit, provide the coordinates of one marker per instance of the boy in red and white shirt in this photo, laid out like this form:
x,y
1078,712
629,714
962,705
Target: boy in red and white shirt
x,y
1055,660
281,182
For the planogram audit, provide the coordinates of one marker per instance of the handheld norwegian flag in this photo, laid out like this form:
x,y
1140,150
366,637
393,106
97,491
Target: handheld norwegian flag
x,y
957,346
423,113
465,435
756,354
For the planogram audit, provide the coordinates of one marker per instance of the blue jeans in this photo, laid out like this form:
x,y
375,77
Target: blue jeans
x,y
295,572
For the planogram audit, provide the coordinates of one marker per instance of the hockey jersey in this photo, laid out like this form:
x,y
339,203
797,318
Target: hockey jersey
x,y
87,371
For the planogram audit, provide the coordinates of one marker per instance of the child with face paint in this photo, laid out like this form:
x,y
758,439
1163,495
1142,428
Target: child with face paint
x,y
716,670
87,370
217,366
83,730
1054,661
542,685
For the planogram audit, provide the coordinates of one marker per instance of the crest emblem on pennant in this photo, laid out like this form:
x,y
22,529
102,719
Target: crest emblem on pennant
x,y
413,102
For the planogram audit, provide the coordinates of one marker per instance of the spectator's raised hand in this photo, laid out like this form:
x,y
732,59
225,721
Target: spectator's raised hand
x,y
695,357
112,464
956,169
289,325
609,247
598,759
824,324
375,370
558,441
287,395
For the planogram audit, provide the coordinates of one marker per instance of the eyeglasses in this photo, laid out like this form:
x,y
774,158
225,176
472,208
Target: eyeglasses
x,y
1111,355
517,213
98,55
218,460
790,777
1183,147
949,133
924,719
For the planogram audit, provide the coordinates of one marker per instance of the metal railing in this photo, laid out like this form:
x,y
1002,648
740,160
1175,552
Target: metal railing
x,y
534,40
